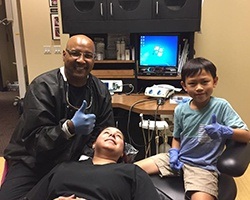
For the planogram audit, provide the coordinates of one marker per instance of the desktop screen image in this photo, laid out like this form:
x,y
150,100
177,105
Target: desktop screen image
x,y
158,51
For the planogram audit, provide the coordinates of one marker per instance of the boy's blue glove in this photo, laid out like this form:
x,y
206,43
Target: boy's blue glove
x,y
175,164
84,123
216,130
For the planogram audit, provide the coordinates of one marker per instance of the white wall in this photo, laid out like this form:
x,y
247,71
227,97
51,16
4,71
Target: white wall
x,y
224,39
37,34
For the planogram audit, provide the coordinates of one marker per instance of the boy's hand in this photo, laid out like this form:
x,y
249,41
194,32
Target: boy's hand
x,y
216,130
175,164
83,123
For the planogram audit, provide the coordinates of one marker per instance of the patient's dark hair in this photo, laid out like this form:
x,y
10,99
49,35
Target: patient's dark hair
x,y
195,66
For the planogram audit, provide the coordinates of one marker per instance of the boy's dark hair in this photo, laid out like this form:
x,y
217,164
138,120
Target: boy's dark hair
x,y
195,66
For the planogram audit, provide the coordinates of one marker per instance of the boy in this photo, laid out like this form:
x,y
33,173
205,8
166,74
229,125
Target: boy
x,y
201,127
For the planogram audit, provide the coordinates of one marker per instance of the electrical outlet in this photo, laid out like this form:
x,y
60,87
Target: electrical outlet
x,y
47,49
114,85
57,49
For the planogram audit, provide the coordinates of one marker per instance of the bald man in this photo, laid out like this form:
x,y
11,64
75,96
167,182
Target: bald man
x,y
63,111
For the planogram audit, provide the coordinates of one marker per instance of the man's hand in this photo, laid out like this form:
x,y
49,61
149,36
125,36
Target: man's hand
x,y
175,164
216,130
66,198
83,123
69,198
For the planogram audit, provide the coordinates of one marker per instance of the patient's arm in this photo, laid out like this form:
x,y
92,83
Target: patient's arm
x,y
148,165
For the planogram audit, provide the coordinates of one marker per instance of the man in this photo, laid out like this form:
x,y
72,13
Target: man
x,y
64,109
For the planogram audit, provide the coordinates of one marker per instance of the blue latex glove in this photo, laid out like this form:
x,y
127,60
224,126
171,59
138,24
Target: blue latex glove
x,y
182,100
84,123
175,164
216,130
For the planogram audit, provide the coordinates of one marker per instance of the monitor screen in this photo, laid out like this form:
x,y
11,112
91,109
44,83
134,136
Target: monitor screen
x,y
158,51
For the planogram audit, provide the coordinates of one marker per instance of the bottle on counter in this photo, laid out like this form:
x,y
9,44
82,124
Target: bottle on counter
x,y
100,49
118,50
123,48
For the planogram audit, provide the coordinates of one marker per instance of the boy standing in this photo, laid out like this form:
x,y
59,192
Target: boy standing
x,y
201,128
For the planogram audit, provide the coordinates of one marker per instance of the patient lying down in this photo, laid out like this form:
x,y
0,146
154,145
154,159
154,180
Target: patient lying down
x,y
101,177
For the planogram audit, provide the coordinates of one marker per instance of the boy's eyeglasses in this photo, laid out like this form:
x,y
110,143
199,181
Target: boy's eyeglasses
x,y
77,54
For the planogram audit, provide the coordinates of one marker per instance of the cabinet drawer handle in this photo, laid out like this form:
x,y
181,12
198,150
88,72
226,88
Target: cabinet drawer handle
x,y
156,7
101,9
111,9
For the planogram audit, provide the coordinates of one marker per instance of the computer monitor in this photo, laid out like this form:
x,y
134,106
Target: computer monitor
x,y
158,54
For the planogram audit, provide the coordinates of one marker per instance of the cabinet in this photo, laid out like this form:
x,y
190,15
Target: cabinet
x,y
101,10
176,9
130,16
128,10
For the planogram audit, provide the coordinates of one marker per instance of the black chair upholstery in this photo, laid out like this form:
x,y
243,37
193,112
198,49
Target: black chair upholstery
x,y
232,163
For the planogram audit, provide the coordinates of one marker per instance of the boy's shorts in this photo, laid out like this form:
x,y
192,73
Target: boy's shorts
x,y
195,178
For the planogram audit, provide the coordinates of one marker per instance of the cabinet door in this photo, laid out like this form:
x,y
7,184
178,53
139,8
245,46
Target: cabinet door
x,y
176,9
129,9
84,10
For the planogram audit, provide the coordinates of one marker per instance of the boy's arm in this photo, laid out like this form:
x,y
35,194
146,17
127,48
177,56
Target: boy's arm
x,y
176,143
216,130
241,135
174,162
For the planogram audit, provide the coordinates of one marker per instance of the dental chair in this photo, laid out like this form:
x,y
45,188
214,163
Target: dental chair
x,y
232,163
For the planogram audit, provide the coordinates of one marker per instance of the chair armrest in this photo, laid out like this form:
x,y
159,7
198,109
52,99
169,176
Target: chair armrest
x,y
235,158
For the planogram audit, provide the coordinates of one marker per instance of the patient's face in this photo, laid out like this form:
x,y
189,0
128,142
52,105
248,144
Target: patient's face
x,y
110,139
